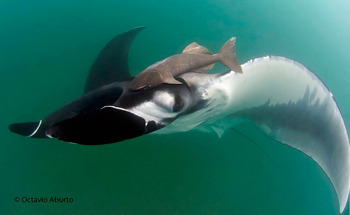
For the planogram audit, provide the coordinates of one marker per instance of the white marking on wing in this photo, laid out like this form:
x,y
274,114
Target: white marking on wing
x,y
36,130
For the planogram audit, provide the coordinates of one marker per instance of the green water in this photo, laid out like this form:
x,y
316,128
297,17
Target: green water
x,y
47,48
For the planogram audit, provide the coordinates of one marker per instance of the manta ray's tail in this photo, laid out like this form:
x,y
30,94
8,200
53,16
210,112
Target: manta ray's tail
x,y
228,56
29,129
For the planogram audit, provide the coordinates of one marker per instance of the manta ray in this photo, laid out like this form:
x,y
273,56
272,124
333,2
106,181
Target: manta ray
x,y
286,100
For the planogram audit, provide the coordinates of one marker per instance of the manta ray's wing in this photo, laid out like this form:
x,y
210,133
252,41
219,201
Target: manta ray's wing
x,y
110,66
112,63
291,105
90,102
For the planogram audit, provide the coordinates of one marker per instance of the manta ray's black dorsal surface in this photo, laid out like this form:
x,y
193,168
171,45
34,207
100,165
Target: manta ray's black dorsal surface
x,y
112,63
109,67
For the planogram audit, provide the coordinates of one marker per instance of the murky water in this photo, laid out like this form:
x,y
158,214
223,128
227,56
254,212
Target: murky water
x,y
47,48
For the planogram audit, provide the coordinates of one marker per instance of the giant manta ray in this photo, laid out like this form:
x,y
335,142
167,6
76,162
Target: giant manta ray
x,y
282,97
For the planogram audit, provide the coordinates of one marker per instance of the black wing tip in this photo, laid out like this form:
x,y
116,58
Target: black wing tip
x,y
24,129
132,33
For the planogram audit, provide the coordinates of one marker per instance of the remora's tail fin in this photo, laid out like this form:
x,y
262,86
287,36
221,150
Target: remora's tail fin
x,y
29,129
228,56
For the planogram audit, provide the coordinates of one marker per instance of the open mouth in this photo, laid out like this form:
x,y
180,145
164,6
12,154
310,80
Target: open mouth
x,y
108,125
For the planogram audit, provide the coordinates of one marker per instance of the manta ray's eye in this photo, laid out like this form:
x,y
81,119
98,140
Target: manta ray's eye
x,y
169,102
178,104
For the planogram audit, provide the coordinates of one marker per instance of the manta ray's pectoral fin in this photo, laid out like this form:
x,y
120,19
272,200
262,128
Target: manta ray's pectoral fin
x,y
88,103
111,65
168,78
29,129
302,114
292,106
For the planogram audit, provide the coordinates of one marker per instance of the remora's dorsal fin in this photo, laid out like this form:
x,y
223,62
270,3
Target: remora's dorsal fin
x,y
112,63
194,48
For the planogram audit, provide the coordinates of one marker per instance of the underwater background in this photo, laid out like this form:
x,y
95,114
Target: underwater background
x,y
46,51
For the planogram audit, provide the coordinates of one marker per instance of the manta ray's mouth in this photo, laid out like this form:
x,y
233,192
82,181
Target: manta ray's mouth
x,y
107,125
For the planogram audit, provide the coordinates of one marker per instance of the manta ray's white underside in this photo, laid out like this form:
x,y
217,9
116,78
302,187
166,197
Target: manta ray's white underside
x,y
284,98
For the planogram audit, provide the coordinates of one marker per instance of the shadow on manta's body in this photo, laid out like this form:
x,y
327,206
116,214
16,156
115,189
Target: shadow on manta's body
x,y
282,97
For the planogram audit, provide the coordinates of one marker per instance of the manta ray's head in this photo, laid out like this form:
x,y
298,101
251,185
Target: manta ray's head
x,y
160,105
133,114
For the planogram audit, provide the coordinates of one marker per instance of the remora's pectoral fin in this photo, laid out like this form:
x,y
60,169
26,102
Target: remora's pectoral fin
x,y
168,78
107,125
112,63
